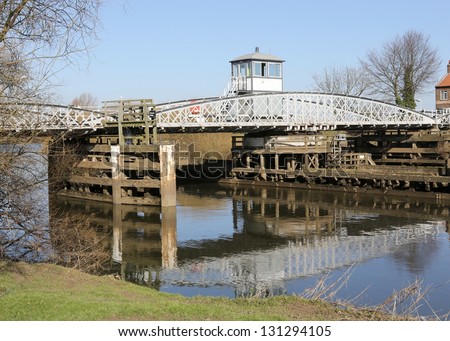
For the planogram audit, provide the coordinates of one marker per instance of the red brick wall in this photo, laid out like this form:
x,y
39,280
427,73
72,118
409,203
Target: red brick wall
x,y
442,104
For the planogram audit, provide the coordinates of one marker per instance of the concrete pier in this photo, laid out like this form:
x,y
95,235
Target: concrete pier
x,y
115,175
168,188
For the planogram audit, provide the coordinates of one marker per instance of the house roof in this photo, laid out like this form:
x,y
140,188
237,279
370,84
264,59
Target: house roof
x,y
257,56
445,82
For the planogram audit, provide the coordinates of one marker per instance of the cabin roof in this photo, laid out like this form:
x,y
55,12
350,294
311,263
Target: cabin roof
x,y
257,56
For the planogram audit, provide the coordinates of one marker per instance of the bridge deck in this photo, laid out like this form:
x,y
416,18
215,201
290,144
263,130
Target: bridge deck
x,y
286,111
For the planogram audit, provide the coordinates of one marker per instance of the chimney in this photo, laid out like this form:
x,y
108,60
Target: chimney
x,y
257,51
448,67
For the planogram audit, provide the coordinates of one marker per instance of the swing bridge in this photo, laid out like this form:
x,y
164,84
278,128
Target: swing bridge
x,y
280,111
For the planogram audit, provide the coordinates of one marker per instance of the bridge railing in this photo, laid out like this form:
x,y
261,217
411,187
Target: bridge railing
x,y
290,110
286,110
43,117
442,116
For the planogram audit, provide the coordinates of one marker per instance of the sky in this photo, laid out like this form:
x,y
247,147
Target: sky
x,y
173,49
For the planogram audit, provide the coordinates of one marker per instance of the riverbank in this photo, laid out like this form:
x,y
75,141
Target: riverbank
x,y
46,292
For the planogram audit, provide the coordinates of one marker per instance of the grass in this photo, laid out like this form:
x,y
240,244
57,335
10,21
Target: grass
x,y
30,292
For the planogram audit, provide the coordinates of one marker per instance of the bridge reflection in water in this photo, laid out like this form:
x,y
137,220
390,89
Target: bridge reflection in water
x,y
253,240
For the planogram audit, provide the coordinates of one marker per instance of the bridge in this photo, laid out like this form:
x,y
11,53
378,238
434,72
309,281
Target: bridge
x,y
285,111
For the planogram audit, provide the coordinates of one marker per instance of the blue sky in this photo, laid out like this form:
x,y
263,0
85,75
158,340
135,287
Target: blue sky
x,y
174,49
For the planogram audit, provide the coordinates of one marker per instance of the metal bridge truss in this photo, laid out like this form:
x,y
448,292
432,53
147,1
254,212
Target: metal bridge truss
x,y
291,111
283,111
44,117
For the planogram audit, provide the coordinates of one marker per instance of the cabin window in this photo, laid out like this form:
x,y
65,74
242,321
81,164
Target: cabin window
x,y
260,69
444,95
275,70
235,71
242,69
257,69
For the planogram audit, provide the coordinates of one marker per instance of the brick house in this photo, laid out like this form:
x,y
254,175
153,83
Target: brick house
x,y
443,91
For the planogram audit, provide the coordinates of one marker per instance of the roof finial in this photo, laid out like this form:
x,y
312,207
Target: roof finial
x,y
257,49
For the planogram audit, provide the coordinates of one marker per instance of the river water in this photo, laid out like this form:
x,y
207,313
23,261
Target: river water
x,y
230,241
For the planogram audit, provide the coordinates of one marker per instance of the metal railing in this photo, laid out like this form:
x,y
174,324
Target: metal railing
x,y
281,110
292,110
46,117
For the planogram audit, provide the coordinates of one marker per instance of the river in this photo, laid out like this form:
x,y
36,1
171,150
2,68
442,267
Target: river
x,y
243,241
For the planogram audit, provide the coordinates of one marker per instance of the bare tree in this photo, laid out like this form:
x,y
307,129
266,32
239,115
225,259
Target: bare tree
x,y
23,191
37,39
77,243
402,68
40,37
85,100
342,80
13,75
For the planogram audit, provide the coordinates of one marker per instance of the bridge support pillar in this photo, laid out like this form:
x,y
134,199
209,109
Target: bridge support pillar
x,y
262,166
277,161
115,175
168,176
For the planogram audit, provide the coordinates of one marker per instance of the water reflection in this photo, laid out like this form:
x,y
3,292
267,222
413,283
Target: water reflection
x,y
234,241
143,239
23,201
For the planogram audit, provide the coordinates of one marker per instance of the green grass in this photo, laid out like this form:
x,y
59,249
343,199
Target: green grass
x,y
49,292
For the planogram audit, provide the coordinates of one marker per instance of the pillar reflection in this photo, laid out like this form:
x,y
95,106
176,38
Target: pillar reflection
x,y
117,234
169,237
142,239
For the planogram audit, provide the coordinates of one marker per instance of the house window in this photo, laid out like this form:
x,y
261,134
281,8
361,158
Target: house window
x,y
444,95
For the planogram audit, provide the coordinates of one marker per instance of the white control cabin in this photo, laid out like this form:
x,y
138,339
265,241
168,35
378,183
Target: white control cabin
x,y
256,73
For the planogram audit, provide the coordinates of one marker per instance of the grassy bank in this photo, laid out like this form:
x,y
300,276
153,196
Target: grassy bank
x,y
49,292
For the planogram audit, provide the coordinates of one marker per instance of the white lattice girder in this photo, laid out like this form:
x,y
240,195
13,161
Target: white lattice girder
x,y
287,110
43,117
444,118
